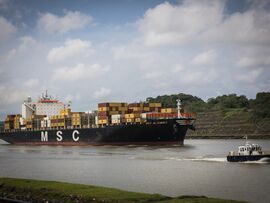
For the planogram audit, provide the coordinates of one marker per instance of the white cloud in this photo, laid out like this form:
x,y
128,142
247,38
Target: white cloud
x,y
72,97
53,24
249,76
177,68
170,24
80,71
133,50
102,93
152,75
198,77
11,95
254,57
250,27
204,58
30,83
204,22
26,42
14,93
71,48
6,28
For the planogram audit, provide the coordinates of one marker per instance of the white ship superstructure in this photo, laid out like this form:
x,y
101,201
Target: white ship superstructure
x,y
46,105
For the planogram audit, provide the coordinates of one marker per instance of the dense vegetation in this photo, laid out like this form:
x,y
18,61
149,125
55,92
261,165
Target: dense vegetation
x,y
260,106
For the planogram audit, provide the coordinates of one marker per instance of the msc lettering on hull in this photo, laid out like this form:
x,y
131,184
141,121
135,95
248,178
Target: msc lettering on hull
x,y
44,136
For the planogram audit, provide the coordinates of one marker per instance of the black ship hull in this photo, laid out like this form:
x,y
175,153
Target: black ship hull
x,y
243,158
154,133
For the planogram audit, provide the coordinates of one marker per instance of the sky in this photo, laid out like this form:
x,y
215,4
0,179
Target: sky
x,y
127,50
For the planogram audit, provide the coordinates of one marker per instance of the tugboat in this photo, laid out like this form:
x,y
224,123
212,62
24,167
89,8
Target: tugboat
x,y
248,152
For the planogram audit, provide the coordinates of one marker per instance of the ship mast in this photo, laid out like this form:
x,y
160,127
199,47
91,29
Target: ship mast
x,y
178,108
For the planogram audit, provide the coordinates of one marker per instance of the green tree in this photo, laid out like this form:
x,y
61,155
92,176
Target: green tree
x,y
228,101
189,102
261,105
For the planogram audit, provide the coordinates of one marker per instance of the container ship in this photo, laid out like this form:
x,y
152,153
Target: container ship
x,y
51,122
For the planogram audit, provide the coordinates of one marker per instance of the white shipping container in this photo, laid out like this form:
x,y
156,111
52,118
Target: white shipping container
x,y
46,122
143,115
116,118
22,121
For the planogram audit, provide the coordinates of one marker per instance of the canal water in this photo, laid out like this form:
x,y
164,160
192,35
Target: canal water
x,y
197,168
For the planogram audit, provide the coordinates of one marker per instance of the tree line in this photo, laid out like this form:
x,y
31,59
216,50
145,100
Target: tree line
x,y
260,106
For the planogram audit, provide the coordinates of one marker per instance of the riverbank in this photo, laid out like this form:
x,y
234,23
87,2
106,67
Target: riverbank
x,y
25,190
229,124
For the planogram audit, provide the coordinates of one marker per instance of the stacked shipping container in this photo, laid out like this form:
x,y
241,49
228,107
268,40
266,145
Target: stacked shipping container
x,y
78,119
117,113
9,122
111,113
17,122
114,113
34,122
144,107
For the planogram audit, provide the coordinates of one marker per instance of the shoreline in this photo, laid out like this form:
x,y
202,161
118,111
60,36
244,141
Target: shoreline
x,y
27,190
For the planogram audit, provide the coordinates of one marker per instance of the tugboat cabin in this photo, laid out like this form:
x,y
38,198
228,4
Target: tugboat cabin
x,y
249,149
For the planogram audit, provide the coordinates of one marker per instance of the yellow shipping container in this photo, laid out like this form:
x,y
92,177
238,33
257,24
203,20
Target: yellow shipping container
x,y
103,109
146,109
129,120
103,121
136,108
132,115
76,119
77,114
116,121
17,117
138,120
76,123
168,110
155,105
124,108
16,125
61,124
113,112
6,126
117,104
65,112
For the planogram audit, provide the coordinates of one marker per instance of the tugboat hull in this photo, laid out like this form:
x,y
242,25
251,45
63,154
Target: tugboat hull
x,y
243,158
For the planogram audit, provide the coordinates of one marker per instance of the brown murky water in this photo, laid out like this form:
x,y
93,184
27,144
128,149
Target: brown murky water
x,y
198,168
